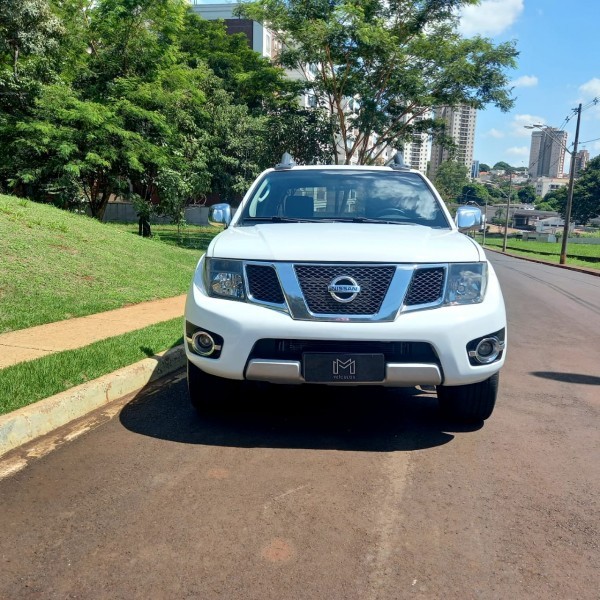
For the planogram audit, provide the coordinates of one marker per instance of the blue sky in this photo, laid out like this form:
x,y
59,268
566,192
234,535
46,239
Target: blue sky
x,y
558,67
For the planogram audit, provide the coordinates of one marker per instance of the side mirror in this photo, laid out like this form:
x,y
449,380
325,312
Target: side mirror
x,y
468,218
219,214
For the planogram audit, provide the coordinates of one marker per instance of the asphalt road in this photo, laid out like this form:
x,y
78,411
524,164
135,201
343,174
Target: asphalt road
x,y
363,498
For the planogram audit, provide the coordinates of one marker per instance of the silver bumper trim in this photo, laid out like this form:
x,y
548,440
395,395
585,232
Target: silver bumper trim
x,y
396,374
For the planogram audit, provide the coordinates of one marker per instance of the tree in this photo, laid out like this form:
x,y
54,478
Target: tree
x,y
586,193
253,81
250,78
556,200
503,166
29,31
483,167
474,192
450,179
526,194
378,67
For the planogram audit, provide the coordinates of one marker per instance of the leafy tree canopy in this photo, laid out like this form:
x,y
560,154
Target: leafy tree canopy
x,y
526,194
29,35
586,193
503,166
474,192
378,67
450,179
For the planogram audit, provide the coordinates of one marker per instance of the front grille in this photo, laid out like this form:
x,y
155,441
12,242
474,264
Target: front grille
x,y
426,286
290,349
263,284
373,281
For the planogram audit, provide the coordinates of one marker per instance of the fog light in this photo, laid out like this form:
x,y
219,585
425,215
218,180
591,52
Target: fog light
x,y
487,350
203,343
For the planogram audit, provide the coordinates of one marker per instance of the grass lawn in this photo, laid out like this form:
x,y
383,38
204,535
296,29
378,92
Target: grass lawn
x,y
582,255
25,383
57,265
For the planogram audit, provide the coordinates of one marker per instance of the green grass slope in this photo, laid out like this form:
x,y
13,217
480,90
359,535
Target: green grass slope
x,y
56,265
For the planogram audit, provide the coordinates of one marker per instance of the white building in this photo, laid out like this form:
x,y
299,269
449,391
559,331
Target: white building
x,y
543,185
260,38
416,151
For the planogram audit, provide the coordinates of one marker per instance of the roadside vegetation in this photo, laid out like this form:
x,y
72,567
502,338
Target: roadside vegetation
x,y
25,383
57,264
581,255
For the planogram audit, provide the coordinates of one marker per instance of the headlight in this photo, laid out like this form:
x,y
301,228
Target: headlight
x,y
224,278
466,283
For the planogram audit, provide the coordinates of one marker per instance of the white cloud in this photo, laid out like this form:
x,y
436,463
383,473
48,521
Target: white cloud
x,y
591,89
490,17
495,133
518,151
517,126
525,81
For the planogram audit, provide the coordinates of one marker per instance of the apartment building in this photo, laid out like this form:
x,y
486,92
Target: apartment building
x,y
582,158
416,150
547,153
543,185
460,126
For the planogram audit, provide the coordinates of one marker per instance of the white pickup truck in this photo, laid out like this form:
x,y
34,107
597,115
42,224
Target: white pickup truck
x,y
332,275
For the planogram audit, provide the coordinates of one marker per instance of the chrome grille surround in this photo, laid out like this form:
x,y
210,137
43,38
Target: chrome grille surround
x,y
301,289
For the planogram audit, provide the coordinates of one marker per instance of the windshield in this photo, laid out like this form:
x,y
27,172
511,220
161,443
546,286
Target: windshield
x,y
344,195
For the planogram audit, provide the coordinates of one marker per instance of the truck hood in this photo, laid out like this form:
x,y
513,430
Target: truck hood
x,y
345,242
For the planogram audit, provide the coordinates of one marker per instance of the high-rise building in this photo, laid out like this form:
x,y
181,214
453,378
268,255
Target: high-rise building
x,y
581,160
416,150
460,126
547,154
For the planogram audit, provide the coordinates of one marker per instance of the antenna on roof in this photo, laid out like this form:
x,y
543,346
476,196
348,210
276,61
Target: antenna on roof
x,y
287,162
398,163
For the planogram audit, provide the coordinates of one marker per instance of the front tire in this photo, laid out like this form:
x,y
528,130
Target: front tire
x,y
207,392
474,402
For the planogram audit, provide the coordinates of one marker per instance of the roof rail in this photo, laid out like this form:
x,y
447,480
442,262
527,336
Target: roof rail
x,y
287,162
397,163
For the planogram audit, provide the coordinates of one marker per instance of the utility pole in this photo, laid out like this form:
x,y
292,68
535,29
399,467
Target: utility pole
x,y
563,250
507,209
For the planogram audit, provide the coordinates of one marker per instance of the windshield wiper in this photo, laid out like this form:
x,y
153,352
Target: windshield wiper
x,y
278,219
368,220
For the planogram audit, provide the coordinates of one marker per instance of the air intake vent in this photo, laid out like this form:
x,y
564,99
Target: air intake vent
x,y
264,284
426,287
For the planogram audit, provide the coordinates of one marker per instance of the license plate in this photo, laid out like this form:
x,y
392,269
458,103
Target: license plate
x,y
336,367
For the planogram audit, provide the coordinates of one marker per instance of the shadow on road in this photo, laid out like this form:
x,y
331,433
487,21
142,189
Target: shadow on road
x,y
568,377
366,419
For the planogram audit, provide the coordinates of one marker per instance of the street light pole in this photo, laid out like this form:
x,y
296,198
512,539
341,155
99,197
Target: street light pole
x,y
507,209
485,220
563,249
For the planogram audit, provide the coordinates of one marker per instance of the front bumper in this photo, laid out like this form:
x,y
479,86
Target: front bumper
x,y
447,330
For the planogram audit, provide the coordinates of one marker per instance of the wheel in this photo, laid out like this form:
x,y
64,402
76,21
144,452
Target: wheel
x,y
469,403
209,393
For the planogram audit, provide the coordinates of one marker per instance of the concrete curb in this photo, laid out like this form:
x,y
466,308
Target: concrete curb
x,y
40,418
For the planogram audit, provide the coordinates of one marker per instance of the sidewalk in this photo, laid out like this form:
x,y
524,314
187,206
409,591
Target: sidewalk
x,y
35,342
